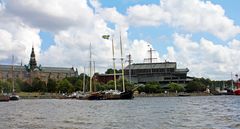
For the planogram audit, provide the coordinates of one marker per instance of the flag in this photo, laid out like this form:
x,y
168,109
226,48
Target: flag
x,y
106,36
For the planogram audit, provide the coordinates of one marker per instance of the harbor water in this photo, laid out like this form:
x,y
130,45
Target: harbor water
x,y
202,112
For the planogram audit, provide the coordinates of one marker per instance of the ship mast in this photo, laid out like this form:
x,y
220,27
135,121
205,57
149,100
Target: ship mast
x,y
13,88
114,67
90,70
123,83
84,80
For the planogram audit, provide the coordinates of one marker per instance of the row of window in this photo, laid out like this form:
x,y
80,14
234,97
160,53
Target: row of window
x,y
146,71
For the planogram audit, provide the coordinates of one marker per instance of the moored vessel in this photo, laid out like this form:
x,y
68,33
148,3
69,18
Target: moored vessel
x,y
4,98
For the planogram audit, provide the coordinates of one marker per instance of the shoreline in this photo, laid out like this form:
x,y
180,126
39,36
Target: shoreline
x,y
59,96
173,94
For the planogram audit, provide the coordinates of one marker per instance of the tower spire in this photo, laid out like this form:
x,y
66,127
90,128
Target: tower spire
x,y
32,62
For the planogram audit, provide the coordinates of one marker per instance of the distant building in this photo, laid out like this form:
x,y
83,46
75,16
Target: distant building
x,y
164,72
32,70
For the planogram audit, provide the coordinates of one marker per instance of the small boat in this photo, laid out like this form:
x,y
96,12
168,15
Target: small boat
x,y
237,91
183,94
4,98
237,84
14,97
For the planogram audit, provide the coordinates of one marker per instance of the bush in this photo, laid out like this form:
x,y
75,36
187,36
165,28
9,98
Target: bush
x,y
195,86
173,87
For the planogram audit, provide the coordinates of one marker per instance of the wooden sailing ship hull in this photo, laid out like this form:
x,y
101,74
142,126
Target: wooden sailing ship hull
x,y
4,98
95,96
122,95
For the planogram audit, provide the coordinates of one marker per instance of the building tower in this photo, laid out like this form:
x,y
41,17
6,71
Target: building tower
x,y
32,62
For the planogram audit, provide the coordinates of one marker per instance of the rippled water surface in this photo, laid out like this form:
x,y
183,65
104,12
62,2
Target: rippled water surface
x,y
205,112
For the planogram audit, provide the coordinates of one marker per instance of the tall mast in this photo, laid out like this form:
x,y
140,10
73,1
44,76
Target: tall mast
x,y
114,67
13,89
123,83
84,81
231,82
94,85
90,70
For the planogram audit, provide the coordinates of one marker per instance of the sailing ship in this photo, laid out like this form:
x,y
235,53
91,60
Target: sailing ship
x,y
91,95
13,96
116,94
109,94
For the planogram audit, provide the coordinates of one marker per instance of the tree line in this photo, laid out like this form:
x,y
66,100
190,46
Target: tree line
x,y
71,84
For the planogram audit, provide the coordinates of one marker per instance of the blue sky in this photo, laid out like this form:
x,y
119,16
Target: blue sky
x,y
160,36
201,35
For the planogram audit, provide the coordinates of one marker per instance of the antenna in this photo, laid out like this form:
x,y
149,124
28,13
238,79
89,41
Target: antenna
x,y
150,59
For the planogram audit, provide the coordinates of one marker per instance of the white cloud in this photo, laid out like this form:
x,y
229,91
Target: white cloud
x,y
189,15
205,58
52,15
140,51
17,39
147,15
74,25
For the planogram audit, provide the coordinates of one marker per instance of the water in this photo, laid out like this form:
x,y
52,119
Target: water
x,y
205,112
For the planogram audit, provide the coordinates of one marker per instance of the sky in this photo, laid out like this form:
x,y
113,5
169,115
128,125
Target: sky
x,y
201,35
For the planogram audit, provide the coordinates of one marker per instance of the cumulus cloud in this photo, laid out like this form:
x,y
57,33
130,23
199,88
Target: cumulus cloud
x,y
205,58
77,23
16,39
140,51
52,15
188,15
147,15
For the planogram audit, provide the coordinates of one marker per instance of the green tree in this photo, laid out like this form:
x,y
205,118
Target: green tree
x,y
51,85
110,85
101,87
26,87
39,85
173,87
18,85
153,87
78,86
5,86
64,86
109,71
195,86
